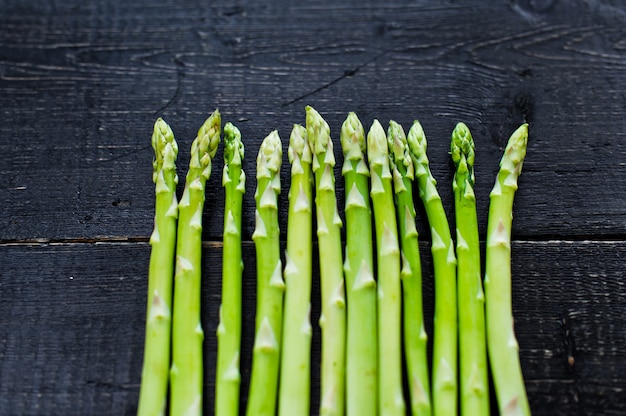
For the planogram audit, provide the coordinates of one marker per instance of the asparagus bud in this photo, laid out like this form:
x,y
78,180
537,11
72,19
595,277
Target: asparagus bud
x,y
270,284
501,342
187,334
228,377
472,338
295,367
156,362
333,317
362,336
415,337
444,377
391,397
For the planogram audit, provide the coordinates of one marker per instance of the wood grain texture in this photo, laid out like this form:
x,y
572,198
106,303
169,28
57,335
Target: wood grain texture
x,y
72,318
82,83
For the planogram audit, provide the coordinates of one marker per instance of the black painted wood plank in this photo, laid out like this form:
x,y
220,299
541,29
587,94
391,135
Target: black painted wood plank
x,y
72,322
81,84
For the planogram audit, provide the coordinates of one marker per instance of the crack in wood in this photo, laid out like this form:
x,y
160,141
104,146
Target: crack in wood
x,y
346,74
180,73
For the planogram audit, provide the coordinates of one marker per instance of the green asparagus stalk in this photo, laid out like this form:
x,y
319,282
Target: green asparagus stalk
x,y
156,362
270,284
391,397
414,333
228,376
187,334
295,366
501,342
362,338
333,316
444,377
471,299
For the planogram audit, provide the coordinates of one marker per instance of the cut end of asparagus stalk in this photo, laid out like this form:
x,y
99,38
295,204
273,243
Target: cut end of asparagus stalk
x,y
204,147
462,151
165,148
319,138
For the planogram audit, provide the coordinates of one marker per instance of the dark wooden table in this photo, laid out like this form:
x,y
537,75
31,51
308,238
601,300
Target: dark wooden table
x,y
81,84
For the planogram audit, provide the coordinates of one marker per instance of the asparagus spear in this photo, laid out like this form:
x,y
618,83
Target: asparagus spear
x,y
471,300
333,316
414,333
444,377
270,284
156,362
295,367
187,334
362,338
391,397
501,342
228,377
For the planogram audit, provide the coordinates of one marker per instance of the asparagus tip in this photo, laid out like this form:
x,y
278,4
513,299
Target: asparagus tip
x,y
462,152
514,154
269,158
352,138
318,132
400,155
209,134
377,151
164,146
233,145
516,146
417,140
299,148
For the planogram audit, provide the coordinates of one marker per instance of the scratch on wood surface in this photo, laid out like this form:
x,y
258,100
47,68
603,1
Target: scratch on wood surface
x,y
103,240
531,10
179,75
74,241
126,154
346,74
111,385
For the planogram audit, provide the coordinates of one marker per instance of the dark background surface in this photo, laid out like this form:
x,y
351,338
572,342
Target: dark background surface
x,y
81,84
